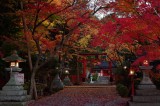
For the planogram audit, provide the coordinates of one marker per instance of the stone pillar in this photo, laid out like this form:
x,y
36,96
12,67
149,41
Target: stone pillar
x,y
13,93
146,94
67,81
57,83
146,81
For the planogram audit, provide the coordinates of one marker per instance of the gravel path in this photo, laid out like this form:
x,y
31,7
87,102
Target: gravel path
x,y
83,96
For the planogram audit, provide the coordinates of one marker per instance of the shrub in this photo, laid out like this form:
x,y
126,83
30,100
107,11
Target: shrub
x,y
156,81
121,76
122,90
95,76
137,82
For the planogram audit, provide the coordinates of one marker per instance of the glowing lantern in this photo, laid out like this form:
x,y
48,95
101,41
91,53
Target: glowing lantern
x,y
14,59
145,62
131,72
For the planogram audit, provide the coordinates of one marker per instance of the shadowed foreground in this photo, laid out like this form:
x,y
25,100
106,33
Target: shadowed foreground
x,y
83,96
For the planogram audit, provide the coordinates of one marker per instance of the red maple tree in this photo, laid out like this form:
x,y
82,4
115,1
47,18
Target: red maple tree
x,y
50,24
135,23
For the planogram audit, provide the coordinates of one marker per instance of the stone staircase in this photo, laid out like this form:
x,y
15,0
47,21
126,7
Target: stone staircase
x,y
146,97
102,80
13,93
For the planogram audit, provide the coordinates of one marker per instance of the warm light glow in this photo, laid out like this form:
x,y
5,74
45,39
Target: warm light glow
x,y
131,72
98,63
14,64
17,64
125,67
66,71
101,73
145,62
57,68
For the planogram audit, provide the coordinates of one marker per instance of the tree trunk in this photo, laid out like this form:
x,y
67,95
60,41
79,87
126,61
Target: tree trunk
x,y
33,90
78,77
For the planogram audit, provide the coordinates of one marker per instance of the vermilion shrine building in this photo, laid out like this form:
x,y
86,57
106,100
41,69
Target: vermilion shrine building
x,y
97,63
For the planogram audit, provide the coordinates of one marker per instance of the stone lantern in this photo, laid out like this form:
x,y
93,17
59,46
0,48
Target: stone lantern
x,y
67,81
14,60
146,81
13,93
57,82
146,93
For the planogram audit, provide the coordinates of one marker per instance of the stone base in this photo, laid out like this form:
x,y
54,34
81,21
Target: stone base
x,y
57,83
143,104
67,81
146,99
102,80
12,88
146,86
12,93
13,103
148,92
15,98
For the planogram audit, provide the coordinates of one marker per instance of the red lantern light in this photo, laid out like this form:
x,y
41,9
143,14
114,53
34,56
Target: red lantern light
x,y
145,63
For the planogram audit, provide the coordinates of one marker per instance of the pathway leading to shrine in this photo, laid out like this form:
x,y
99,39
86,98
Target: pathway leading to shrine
x,y
83,96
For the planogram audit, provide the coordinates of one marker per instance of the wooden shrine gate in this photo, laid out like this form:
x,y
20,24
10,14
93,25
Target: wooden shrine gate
x,y
104,70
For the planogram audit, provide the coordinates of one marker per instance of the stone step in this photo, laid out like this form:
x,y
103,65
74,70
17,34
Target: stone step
x,y
103,78
13,103
15,98
147,99
16,93
143,104
148,92
104,82
146,86
10,88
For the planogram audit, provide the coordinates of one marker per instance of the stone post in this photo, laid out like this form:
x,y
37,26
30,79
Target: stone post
x,y
13,93
146,94
146,81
